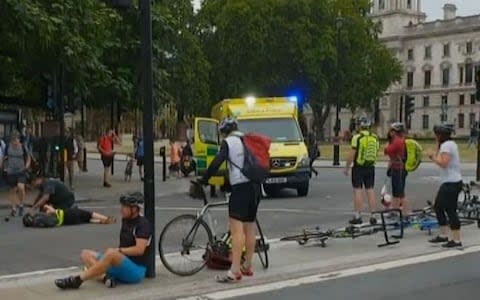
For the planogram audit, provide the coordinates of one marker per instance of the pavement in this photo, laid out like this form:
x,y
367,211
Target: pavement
x,y
36,257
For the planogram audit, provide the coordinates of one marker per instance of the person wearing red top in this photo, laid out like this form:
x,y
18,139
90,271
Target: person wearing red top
x,y
105,147
396,151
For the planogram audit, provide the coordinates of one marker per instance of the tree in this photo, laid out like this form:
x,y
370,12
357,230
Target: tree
x,y
274,47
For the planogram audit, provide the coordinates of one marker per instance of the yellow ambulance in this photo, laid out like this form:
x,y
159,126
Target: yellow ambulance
x,y
275,117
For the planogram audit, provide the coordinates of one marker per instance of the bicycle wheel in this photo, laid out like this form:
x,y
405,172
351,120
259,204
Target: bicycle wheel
x,y
182,245
262,247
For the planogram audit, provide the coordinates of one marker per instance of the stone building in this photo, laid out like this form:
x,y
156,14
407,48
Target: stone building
x,y
440,59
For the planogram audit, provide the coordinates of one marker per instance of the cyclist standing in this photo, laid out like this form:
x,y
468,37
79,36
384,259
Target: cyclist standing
x,y
396,151
128,262
365,146
448,159
243,204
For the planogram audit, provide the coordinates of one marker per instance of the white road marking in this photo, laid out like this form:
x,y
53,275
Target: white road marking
x,y
232,293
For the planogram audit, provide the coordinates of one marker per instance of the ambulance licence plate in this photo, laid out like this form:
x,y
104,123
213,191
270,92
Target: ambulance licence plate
x,y
276,180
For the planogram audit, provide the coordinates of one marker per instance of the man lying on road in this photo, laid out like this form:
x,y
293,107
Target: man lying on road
x,y
52,192
128,262
75,216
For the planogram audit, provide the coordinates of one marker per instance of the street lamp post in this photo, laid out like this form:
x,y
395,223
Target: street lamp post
x,y
336,145
149,183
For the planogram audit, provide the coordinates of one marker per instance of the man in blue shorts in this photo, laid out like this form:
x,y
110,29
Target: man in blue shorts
x,y
128,262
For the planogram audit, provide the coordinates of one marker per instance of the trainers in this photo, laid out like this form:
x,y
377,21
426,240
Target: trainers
x,y
246,271
72,282
107,185
452,244
355,221
438,239
230,277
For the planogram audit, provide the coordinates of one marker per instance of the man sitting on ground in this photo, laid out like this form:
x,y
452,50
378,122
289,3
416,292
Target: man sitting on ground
x,y
128,262
52,192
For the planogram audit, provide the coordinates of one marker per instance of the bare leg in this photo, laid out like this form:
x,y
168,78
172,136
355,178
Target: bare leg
x,y
250,230
358,200
21,193
106,175
13,198
111,258
88,257
238,241
372,201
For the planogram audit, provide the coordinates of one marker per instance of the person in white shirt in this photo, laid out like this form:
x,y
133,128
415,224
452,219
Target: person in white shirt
x,y
448,159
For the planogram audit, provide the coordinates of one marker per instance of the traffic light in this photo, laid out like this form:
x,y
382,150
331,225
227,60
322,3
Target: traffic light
x,y
477,82
409,105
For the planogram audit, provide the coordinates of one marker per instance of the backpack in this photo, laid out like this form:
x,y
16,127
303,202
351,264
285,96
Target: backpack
x,y
39,220
367,152
256,164
414,153
218,256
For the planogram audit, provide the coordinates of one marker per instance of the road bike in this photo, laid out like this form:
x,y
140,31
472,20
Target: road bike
x,y
191,235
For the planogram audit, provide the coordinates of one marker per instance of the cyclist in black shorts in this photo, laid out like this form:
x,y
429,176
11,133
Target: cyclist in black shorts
x,y
76,216
365,146
243,204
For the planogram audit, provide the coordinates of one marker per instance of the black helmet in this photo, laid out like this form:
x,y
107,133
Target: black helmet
x,y
228,125
27,220
132,199
446,129
397,127
364,123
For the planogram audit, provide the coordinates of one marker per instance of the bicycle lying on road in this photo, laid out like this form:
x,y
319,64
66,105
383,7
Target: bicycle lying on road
x,y
390,220
192,235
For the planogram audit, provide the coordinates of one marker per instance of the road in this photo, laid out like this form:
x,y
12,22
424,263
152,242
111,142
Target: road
x,y
328,204
451,278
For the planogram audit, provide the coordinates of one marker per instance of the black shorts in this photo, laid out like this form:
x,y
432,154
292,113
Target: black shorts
x,y
399,177
174,167
74,216
140,161
244,200
14,179
107,161
363,177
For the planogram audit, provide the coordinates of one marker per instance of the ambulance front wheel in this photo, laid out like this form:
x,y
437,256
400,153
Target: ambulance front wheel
x,y
302,190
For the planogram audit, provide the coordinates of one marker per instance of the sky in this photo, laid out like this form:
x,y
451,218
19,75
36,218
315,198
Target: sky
x,y
433,8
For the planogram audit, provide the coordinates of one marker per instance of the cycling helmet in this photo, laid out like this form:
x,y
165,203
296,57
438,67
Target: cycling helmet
x,y
364,123
27,220
132,199
398,127
446,129
228,125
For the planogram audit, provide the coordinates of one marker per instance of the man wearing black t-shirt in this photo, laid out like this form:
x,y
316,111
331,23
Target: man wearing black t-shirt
x,y
52,192
128,262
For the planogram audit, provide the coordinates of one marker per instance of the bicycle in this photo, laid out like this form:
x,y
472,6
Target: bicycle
x,y
196,239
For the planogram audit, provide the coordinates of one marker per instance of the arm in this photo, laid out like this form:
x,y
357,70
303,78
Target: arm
x,y
137,250
221,157
443,157
352,153
41,201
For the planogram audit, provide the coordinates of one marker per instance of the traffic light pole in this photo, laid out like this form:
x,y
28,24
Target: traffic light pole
x,y
149,186
478,156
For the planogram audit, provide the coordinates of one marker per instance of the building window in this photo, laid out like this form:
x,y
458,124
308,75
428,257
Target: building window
x,y
461,121
426,101
443,117
410,54
446,77
425,121
409,4
428,79
471,118
460,72
381,4
461,99
469,47
409,80
444,101
468,73
446,50
472,99
428,52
